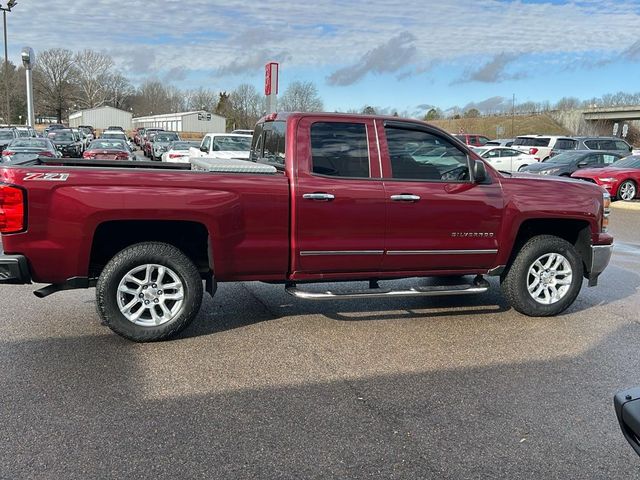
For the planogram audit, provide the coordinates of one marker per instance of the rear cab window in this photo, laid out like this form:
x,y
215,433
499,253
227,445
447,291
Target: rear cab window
x,y
269,143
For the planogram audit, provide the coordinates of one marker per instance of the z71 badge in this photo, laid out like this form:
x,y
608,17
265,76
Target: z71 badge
x,y
47,177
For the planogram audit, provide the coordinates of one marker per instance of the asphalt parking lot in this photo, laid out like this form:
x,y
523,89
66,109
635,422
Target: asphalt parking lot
x,y
266,386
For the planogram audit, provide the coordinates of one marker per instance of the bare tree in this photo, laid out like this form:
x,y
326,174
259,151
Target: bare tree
x,y
119,91
93,77
55,78
301,97
246,106
201,99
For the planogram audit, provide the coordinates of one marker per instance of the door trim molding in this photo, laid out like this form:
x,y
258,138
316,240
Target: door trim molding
x,y
319,253
442,252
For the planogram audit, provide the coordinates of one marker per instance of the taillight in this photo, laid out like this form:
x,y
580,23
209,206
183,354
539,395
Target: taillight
x,y
46,153
122,156
176,155
7,153
533,151
11,209
89,155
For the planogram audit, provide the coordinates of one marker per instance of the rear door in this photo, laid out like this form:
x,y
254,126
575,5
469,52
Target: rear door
x,y
339,199
437,219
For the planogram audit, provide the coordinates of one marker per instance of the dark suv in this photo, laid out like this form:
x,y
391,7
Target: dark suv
x,y
605,144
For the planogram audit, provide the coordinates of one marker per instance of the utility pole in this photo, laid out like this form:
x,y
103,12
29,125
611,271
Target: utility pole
x,y
6,7
513,114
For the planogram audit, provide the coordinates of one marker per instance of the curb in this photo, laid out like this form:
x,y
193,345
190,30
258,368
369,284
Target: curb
x,y
622,205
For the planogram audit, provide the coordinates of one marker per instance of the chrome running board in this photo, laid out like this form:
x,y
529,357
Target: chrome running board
x,y
479,286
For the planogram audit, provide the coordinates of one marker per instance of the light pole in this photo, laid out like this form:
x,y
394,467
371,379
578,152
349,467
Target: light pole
x,y
6,6
29,60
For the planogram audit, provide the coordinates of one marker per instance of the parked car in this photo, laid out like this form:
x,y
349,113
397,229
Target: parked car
x,y
66,142
82,137
137,136
6,136
26,132
161,143
472,139
109,149
243,132
23,148
179,151
540,146
568,162
223,145
506,159
116,128
621,179
319,202
608,144
56,126
146,144
119,134
89,128
500,142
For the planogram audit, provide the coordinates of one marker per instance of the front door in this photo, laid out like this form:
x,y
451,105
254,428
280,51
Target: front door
x,y
437,219
339,200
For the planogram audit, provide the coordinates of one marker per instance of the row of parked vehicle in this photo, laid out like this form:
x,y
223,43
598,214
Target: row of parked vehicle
x,y
606,161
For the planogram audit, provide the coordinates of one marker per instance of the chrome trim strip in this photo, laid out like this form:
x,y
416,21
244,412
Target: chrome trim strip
x,y
441,252
378,293
318,253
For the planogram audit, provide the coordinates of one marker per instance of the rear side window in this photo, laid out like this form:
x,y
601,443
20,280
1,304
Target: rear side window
x,y
532,142
565,144
268,142
591,144
622,146
340,149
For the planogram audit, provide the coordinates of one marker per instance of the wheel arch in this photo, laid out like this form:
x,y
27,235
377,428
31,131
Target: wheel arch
x,y
192,238
577,232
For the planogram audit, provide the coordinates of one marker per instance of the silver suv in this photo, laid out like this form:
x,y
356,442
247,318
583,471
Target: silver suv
x,y
607,144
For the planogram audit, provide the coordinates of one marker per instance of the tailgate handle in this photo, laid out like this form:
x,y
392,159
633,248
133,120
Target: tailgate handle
x,y
324,197
405,197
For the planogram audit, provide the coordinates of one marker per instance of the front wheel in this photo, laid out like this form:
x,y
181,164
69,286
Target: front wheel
x,y
627,190
148,292
545,277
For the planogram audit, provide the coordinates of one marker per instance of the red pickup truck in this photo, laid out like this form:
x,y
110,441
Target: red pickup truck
x,y
324,197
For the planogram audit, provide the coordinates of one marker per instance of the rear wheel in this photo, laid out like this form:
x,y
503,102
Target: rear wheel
x,y
149,291
522,167
627,190
545,277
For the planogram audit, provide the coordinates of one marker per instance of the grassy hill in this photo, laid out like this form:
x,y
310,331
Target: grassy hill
x,y
522,125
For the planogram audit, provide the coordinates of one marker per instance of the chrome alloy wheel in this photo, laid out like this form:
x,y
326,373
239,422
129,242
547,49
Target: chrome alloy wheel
x,y
627,191
549,278
150,295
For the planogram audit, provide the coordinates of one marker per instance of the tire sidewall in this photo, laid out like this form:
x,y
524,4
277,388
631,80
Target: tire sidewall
x,y
127,260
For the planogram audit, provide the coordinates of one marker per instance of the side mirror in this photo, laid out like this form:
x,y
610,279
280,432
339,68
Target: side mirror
x,y
479,172
583,163
627,406
203,149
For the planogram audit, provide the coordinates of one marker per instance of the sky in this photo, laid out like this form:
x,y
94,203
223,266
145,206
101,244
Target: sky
x,y
402,55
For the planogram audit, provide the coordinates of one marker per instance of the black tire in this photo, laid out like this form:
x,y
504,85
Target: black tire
x,y
141,254
514,281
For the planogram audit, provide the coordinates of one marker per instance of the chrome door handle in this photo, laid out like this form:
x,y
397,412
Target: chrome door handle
x,y
405,198
318,196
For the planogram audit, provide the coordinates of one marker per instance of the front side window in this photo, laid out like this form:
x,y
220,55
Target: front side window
x,y
495,153
419,155
340,149
511,153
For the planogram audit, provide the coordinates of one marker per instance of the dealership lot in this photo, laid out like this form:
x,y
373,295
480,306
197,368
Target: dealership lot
x,y
263,385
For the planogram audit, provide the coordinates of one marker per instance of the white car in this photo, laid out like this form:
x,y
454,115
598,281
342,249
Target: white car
x,y
223,145
179,151
540,146
117,134
506,159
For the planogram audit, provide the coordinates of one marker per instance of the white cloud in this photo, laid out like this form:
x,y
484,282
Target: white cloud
x,y
232,36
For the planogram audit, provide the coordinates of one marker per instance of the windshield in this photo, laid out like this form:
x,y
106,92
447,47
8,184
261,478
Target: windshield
x,y
6,134
231,144
184,145
31,143
532,142
628,162
565,158
166,137
114,144
61,136
114,135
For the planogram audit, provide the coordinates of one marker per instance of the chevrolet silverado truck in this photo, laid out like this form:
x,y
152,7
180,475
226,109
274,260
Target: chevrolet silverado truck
x,y
322,198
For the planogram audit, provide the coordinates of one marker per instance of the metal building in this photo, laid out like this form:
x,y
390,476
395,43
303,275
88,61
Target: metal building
x,y
199,121
102,118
